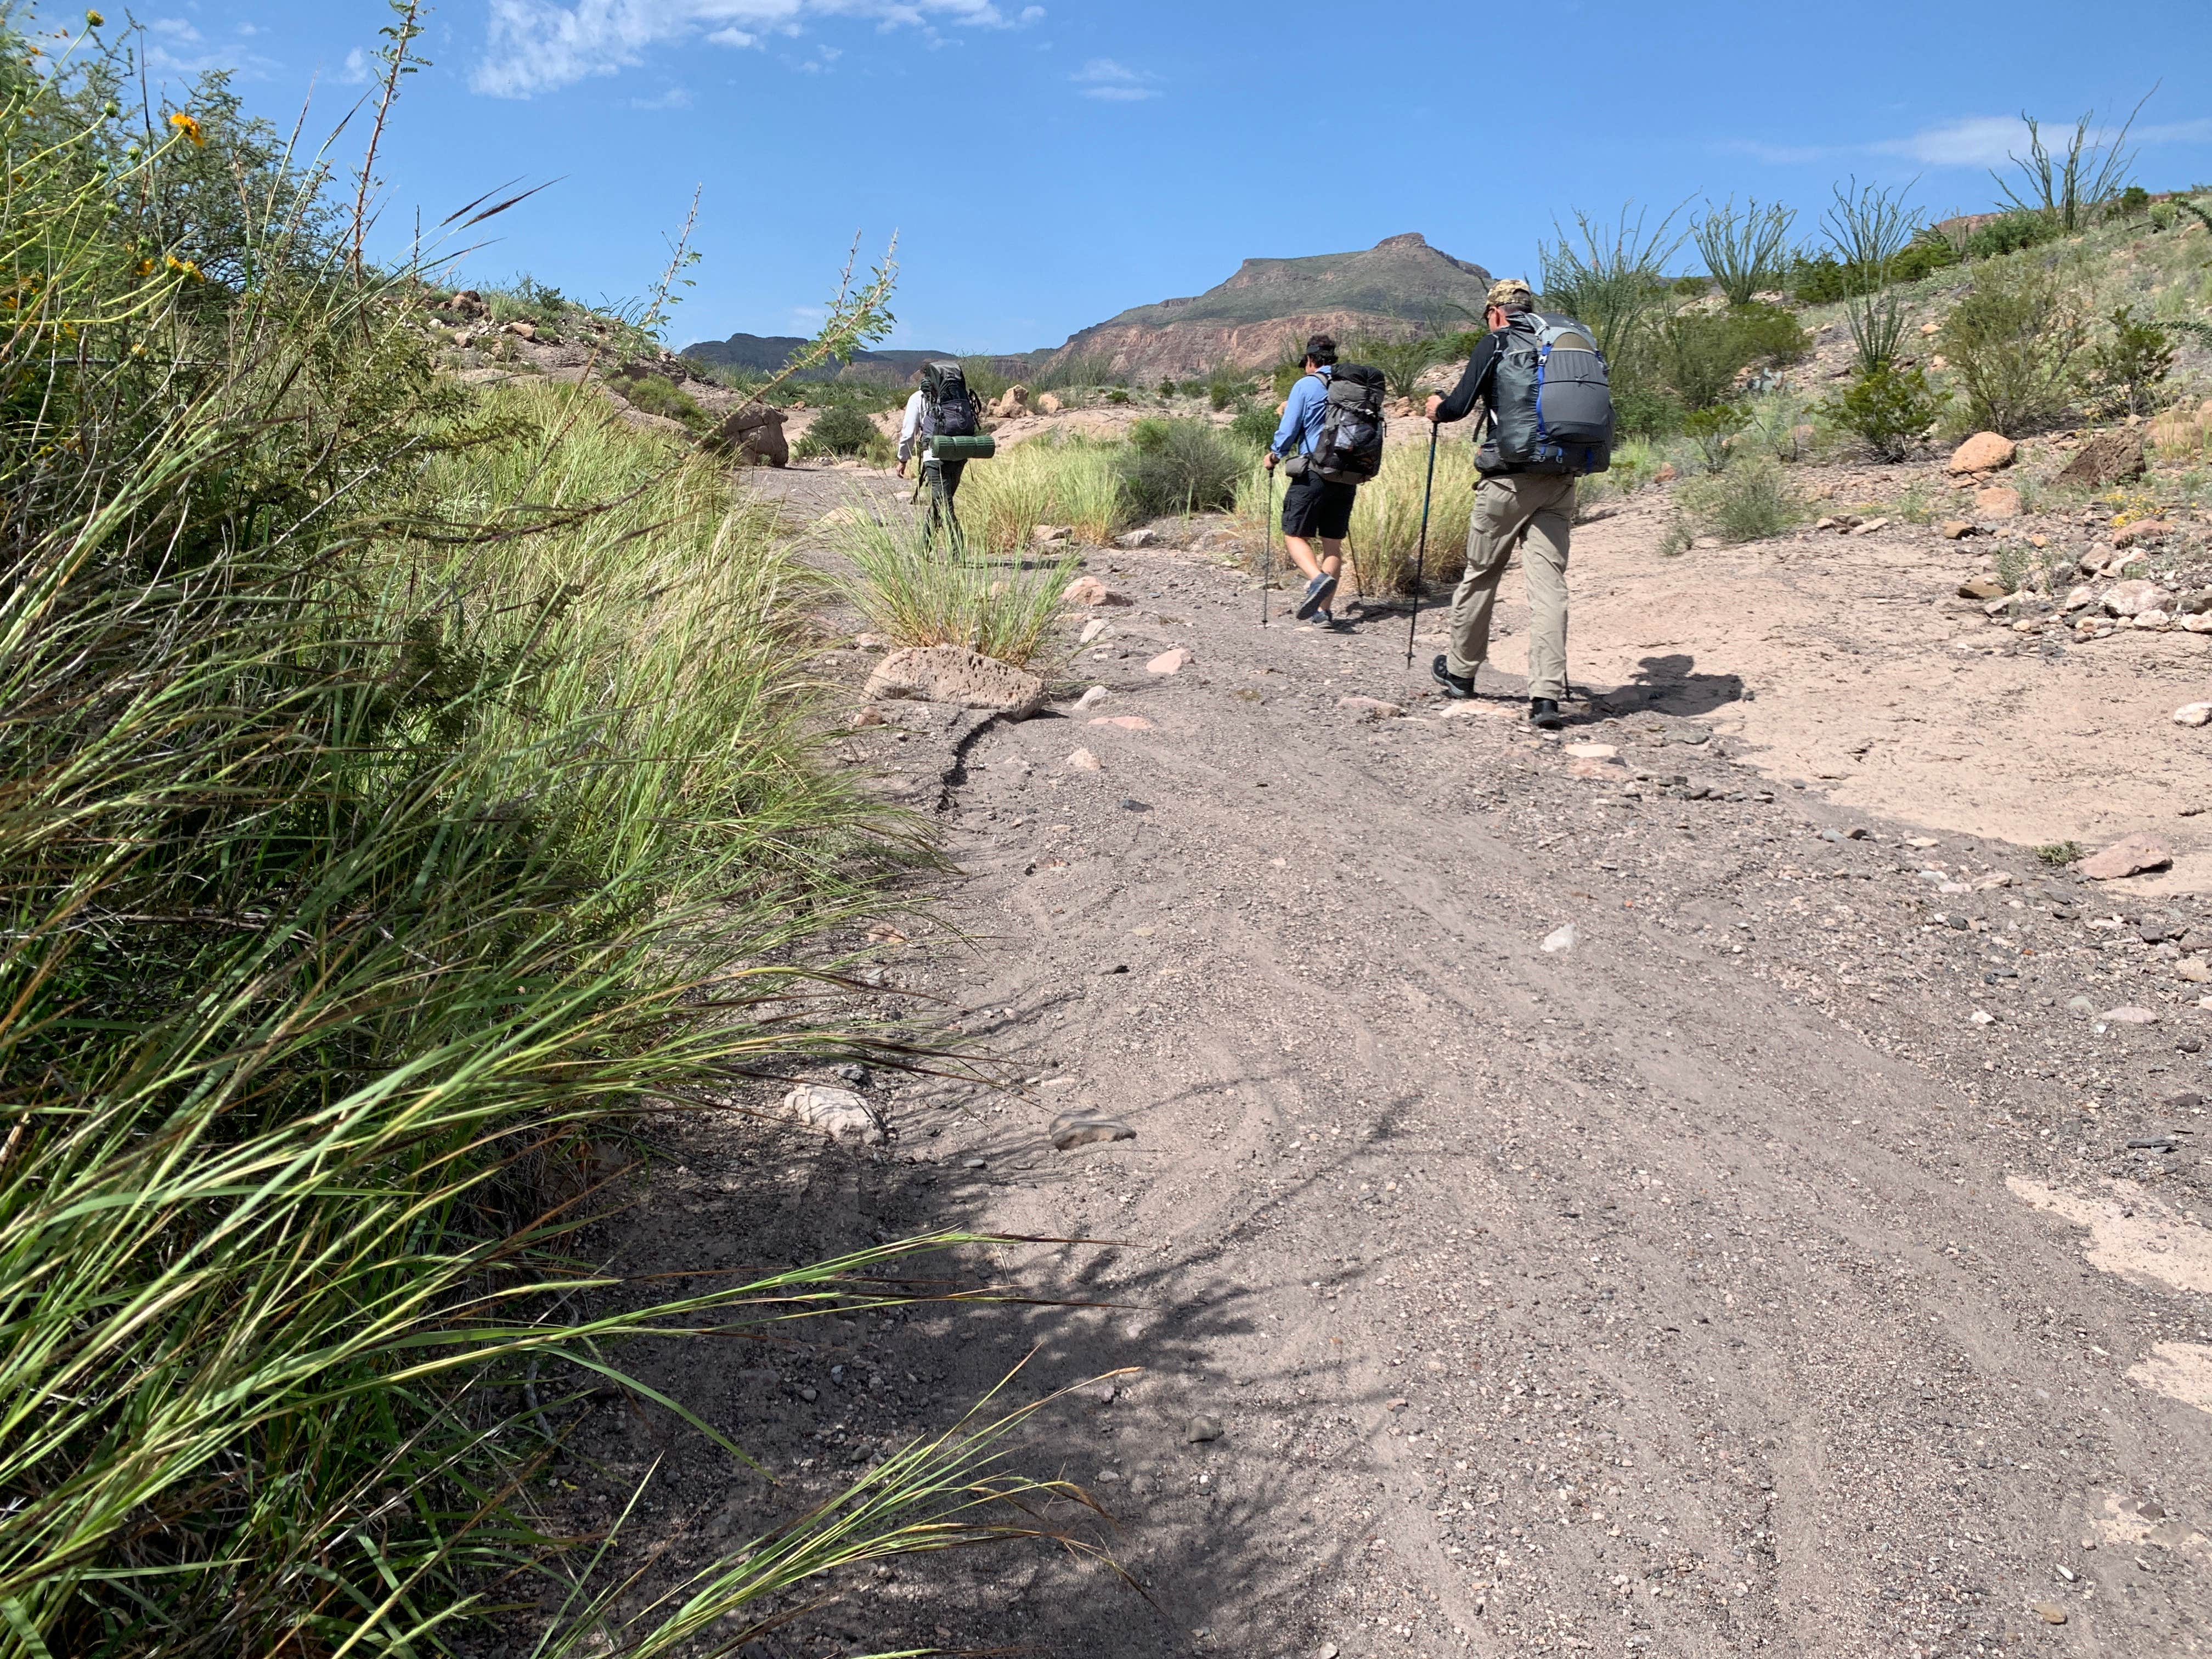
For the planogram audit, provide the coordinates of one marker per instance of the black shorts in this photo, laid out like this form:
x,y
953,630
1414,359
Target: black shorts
x,y
1312,506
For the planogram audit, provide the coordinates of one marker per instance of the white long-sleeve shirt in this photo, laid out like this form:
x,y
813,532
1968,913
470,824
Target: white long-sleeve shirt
x,y
910,424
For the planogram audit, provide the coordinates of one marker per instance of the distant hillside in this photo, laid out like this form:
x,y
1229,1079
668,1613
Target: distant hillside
x,y
1398,287
766,353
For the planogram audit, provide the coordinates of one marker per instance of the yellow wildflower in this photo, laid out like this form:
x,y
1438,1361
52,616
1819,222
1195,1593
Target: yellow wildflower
x,y
185,267
94,20
191,128
145,268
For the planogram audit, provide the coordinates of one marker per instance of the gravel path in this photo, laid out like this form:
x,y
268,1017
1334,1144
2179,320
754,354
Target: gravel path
x,y
1578,1203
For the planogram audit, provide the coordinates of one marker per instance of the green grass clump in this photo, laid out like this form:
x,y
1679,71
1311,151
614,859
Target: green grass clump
x,y
1747,500
919,591
656,395
2060,853
407,789
1057,479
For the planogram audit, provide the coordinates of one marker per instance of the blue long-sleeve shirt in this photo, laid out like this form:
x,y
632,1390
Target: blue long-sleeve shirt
x,y
1302,415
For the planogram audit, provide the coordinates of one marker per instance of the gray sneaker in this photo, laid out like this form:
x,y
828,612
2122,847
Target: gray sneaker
x,y
1317,595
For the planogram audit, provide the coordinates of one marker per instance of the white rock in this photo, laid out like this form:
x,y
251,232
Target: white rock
x,y
1090,698
1983,1017
1083,760
1092,629
1562,939
2193,714
1592,751
2131,1016
838,1113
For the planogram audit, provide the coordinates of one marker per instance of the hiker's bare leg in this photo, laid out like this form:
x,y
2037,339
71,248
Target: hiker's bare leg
x,y
1301,554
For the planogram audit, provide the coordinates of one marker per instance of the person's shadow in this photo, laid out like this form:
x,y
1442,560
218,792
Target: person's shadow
x,y
1671,685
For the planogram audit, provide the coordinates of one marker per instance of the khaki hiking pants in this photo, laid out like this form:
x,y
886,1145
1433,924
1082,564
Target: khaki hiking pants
x,y
1531,512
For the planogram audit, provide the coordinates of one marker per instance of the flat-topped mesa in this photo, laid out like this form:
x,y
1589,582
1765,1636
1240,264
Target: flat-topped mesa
x,y
1401,287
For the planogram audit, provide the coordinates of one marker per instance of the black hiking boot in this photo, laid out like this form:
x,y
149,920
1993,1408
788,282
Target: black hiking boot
x,y
1318,593
1455,687
1544,712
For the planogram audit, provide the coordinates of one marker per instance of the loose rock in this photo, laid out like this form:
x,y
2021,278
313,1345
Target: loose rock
x,y
1170,662
1073,1129
1998,503
1137,538
1562,939
1369,708
2131,855
2107,458
1985,451
1090,698
955,675
2142,529
838,1113
2131,1015
1083,760
1199,1428
1126,722
2193,714
1092,630
1088,590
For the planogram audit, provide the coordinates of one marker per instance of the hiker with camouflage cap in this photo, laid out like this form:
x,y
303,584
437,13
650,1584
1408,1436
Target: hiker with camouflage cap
x,y
1524,502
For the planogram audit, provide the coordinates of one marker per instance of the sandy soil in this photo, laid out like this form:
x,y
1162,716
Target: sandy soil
x,y
1599,1213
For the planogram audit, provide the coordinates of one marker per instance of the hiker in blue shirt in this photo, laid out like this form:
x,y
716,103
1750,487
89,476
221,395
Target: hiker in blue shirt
x,y
1312,507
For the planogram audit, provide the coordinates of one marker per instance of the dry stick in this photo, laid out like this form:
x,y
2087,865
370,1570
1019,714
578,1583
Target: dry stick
x,y
402,37
1421,558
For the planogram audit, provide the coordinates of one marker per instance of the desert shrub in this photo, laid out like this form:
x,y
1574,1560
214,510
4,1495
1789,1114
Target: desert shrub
x,y
2011,233
1711,428
1609,278
1747,501
1181,466
918,592
840,429
2060,852
1868,229
1889,411
1254,425
1402,362
1058,480
1118,394
656,395
1744,255
1927,253
2013,344
1226,384
1646,412
1701,352
2130,364
2131,202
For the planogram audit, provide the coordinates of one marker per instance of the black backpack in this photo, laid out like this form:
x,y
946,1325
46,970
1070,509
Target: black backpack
x,y
948,407
1350,447
1551,400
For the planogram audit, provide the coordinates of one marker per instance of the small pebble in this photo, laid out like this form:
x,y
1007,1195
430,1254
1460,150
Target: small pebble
x,y
810,1395
1201,1429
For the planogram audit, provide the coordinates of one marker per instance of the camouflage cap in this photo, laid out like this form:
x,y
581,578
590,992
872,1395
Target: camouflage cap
x,y
1508,287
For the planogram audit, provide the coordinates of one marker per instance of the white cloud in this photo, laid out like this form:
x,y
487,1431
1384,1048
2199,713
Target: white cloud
x,y
1114,84
174,28
1974,141
539,45
356,71
674,98
1967,140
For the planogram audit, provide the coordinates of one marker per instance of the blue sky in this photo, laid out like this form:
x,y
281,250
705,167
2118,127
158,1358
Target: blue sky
x,y
1048,165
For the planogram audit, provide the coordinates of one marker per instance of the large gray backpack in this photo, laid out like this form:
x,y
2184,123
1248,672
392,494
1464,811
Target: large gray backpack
x,y
1350,447
1551,401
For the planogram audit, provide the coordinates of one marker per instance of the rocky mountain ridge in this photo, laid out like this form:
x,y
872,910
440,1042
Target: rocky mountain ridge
x,y
1399,287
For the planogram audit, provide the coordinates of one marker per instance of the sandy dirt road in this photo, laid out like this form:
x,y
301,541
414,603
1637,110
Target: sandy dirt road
x,y
1559,1220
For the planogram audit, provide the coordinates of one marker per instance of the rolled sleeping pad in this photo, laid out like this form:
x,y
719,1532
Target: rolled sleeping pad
x,y
981,448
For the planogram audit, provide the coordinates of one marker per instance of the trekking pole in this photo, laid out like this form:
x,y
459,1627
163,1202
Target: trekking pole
x,y
1421,558
1267,545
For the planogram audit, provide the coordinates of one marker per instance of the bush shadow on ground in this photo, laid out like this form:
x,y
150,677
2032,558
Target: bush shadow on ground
x,y
1225,1544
